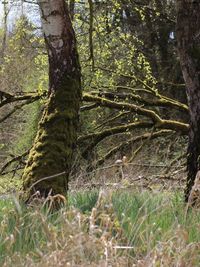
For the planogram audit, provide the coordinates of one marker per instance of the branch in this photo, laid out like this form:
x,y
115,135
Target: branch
x,y
17,158
148,89
131,77
112,119
161,102
89,107
126,145
95,138
156,119
122,106
12,98
17,107
91,32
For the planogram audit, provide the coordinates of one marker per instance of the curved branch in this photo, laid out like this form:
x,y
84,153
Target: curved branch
x,y
18,158
122,106
16,108
156,119
95,138
115,130
161,102
126,144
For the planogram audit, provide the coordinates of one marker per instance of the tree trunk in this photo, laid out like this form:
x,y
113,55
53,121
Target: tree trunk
x,y
5,28
188,38
71,8
50,158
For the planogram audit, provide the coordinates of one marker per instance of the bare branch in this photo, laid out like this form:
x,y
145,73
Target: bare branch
x,y
18,158
125,145
12,98
16,108
161,102
156,119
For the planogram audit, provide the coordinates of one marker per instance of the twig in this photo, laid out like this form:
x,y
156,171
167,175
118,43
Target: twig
x,y
46,178
17,158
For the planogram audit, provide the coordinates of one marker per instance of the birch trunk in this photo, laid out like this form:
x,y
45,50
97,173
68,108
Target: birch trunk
x,y
50,158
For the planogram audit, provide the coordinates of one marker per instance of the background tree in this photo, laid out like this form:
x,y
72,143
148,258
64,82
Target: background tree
x,y
51,154
188,37
124,72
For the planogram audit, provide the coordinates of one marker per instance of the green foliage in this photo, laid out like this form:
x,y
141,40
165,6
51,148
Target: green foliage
x,y
84,201
31,118
128,43
23,63
24,69
149,217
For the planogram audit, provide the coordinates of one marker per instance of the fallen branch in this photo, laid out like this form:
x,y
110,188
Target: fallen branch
x,y
89,107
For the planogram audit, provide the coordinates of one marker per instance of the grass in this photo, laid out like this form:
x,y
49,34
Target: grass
x,y
140,228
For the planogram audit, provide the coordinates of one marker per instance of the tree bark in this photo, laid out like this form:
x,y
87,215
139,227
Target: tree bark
x,y
188,38
5,28
50,158
71,8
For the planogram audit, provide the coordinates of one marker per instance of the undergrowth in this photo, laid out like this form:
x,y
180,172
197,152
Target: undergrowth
x,y
101,229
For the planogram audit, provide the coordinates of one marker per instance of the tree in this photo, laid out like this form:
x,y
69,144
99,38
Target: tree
x,y
5,28
188,37
123,75
50,158
123,47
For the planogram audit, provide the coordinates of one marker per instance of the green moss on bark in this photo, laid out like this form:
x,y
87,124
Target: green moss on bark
x,y
51,153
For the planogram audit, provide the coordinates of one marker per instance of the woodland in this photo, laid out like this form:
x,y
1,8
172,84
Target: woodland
x,y
99,133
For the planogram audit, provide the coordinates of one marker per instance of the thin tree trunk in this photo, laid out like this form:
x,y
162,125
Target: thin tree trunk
x,y
50,158
188,38
5,28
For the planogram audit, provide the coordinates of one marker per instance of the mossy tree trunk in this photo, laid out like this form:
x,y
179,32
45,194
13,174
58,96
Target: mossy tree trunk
x,y
50,158
188,39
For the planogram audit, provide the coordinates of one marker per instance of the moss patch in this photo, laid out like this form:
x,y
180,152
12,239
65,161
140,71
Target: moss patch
x,y
51,153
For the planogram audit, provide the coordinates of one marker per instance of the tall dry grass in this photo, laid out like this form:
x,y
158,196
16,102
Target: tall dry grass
x,y
101,229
